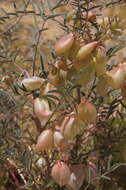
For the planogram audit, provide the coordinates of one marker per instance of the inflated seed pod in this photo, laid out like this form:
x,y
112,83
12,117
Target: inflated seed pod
x,y
64,44
45,140
87,112
61,64
116,77
78,174
86,50
102,86
32,83
61,173
57,77
85,76
69,127
73,50
60,141
81,65
41,109
99,62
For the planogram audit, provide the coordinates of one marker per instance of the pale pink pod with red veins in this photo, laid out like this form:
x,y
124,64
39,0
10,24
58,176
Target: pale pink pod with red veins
x,y
64,44
87,112
78,174
45,140
61,173
58,137
32,83
60,142
41,109
116,77
69,127
86,50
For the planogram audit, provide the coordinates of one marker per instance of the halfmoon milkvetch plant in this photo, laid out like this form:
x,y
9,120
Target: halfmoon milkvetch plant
x,y
62,95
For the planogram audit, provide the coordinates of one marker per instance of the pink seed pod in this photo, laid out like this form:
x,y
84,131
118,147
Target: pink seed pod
x,y
61,173
32,83
116,77
78,174
60,142
85,76
102,86
69,127
41,109
45,140
87,112
86,51
64,44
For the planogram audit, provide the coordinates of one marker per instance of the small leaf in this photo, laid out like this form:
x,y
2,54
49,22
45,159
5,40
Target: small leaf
x,y
112,51
53,16
106,177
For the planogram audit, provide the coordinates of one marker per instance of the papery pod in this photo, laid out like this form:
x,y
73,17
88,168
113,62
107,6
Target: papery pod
x,y
64,44
78,174
85,76
86,50
57,77
69,127
45,140
41,109
123,66
100,68
61,173
73,50
60,141
102,86
99,62
58,137
116,77
71,73
32,83
62,64
81,65
87,112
